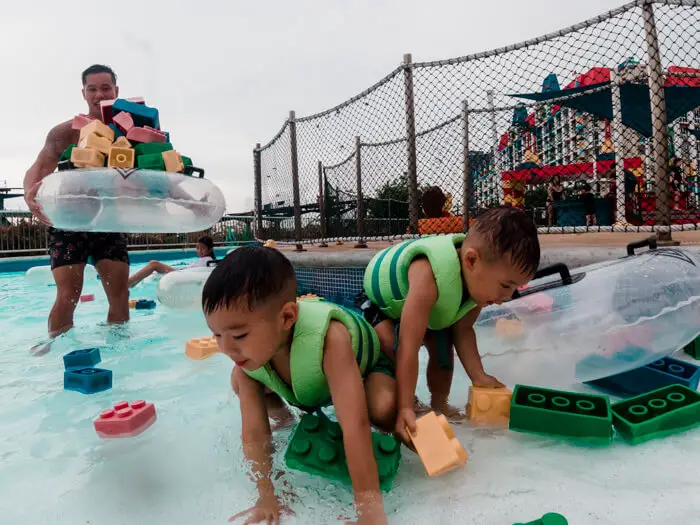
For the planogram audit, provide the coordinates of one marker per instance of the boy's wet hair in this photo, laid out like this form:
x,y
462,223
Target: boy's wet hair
x,y
99,68
253,274
506,231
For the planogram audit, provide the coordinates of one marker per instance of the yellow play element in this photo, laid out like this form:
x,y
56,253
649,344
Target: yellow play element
x,y
94,141
122,142
509,328
87,158
308,296
270,243
201,348
121,157
489,406
173,161
97,127
437,445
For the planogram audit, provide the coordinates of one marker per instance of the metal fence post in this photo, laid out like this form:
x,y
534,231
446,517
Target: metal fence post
x,y
295,180
618,138
257,212
360,211
411,143
322,205
466,179
494,150
659,125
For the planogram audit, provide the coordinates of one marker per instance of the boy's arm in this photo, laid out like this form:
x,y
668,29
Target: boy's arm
x,y
257,446
468,352
348,394
421,297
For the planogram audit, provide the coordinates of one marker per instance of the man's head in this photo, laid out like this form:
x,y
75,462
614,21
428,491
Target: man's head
x,y
205,246
501,253
249,302
99,83
433,202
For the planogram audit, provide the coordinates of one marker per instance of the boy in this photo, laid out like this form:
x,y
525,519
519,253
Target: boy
x,y
441,283
311,353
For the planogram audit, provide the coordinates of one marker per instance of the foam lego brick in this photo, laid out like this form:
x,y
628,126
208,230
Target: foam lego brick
x,y
186,160
151,162
87,158
509,328
87,380
108,112
122,142
656,414
489,406
80,120
664,372
316,447
144,304
437,445
551,518
594,364
125,420
142,115
123,121
67,152
121,158
64,165
145,134
571,415
94,141
87,298
201,348
173,161
193,170
151,148
117,132
83,358
99,129
692,348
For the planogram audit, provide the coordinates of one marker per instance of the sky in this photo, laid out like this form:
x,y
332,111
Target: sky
x,y
224,75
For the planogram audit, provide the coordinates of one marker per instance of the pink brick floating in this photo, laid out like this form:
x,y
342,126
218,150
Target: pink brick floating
x,y
87,298
125,420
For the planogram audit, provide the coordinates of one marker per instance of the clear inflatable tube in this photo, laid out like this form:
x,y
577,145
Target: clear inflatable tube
x,y
615,316
182,289
43,276
130,201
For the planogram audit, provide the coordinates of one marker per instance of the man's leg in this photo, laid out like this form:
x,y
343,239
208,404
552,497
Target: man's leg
x,y
112,264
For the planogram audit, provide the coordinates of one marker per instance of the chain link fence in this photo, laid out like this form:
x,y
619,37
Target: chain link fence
x,y
595,127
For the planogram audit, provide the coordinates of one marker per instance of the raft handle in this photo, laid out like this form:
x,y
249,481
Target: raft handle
x,y
650,242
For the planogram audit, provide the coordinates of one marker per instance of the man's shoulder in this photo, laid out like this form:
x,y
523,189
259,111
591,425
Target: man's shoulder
x,y
64,129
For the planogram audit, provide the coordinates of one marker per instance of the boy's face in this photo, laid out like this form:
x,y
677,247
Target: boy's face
x,y
491,282
251,338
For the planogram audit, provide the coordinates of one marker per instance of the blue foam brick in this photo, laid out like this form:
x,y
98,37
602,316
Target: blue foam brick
x,y
87,380
83,358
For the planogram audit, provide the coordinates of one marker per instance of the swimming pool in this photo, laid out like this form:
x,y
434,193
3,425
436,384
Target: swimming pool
x,y
187,468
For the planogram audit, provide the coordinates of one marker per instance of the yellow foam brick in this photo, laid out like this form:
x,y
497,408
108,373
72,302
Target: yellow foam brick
x,y
201,348
437,445
99,128
87,158
121,157
94,141
122,142
173,161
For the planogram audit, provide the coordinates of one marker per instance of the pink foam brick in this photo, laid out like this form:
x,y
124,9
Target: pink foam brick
x,y
87,298
81,120
145,134
106,108
123,121
125,420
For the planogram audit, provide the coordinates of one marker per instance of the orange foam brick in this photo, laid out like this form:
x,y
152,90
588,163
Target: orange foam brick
x,y
201,348
437,446
488,406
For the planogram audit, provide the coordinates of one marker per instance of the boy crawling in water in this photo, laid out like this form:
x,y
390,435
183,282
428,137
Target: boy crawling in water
x,y
312,353
435,287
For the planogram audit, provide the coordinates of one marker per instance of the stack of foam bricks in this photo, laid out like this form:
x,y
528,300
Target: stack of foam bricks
x,y
128,136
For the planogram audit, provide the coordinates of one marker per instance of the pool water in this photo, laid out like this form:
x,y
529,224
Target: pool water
x,y
187,468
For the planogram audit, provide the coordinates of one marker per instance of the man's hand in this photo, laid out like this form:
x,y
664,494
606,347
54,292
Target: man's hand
x,y
34,206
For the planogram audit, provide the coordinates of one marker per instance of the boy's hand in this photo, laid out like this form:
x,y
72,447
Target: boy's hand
x,y
267,510
487,381
405,422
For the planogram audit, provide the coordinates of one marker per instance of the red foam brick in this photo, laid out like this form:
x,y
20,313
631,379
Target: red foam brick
x,y
125,420
81,120
123,121
106,108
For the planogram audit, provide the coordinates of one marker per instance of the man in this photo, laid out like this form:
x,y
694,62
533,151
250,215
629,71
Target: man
x,y
68,250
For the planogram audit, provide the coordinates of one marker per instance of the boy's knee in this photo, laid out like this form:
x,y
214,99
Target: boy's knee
x,y
382,410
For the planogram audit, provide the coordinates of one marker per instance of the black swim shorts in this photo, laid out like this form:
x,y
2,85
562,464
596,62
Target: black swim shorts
x,y
66,248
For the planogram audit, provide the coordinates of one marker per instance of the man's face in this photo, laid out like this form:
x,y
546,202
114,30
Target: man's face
x,y
99,87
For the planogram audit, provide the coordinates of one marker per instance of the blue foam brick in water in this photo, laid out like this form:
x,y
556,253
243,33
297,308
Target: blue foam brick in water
x,y
145,304
659,374
87,380
84,358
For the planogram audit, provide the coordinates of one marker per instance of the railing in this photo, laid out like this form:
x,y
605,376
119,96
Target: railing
x,y
604,105
21,234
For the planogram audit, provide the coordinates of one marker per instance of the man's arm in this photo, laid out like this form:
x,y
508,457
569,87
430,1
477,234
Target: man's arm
x,y
45,164
348,394
464,338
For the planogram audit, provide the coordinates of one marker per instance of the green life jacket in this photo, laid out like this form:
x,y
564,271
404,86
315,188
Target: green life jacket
x,y
309,386
386,278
